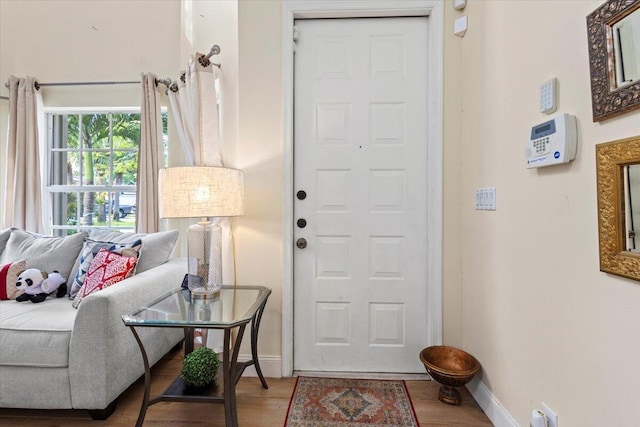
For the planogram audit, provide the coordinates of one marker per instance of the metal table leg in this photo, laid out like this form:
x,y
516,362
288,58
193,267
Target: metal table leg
x,y
229,372
189,334
255,326
147,379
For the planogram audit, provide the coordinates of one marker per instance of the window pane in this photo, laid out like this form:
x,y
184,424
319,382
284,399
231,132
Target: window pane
x,y
64,168
91,208
96,169
73,131
125,167
97,209
65,208
95,131
126,131
123,207
58,168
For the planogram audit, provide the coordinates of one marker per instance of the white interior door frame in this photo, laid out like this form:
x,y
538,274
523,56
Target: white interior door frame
x,y
304,9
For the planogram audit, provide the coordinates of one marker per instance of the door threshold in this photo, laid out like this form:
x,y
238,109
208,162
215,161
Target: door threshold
x,y
364,375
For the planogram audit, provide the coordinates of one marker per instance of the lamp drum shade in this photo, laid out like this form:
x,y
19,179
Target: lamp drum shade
x,y
200,192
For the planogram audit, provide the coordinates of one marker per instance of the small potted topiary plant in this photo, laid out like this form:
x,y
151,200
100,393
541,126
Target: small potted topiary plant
x,y
199,369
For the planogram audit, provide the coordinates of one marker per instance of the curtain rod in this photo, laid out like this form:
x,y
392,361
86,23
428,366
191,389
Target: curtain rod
x,y
204,61
39,85
86,83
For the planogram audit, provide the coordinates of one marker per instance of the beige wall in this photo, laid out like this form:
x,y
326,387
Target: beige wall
x,y
67,41
452,236
542,319
258,234
62,41
522,290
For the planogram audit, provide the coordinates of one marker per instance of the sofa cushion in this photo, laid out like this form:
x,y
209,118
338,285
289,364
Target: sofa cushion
x,y
42,252
156,247
90,249
106,269
26,340
8,276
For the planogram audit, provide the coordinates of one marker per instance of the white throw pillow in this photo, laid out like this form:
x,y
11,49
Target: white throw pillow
x,y
44,252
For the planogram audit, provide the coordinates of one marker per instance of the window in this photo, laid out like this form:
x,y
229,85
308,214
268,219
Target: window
x,y
92,169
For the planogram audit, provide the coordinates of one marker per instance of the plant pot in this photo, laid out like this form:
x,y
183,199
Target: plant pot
x,y
198,389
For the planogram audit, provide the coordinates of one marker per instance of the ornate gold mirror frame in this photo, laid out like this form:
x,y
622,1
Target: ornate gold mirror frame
x,y
608,99
611,158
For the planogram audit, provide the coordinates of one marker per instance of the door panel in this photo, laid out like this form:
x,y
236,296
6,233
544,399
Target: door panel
x,y
360,154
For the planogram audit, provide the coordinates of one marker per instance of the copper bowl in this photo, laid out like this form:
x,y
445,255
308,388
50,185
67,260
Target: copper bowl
x,y
450,367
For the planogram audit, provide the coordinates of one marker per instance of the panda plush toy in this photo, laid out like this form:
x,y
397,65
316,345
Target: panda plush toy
x,y
38,285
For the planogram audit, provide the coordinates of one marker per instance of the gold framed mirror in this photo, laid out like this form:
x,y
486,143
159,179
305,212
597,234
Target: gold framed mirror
x,y
614,58
617,166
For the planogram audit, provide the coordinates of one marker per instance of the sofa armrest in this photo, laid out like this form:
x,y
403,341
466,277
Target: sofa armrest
x,y
104,357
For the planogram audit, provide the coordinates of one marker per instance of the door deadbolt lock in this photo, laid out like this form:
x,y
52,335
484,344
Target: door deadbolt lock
x,y
302,223
301,195
301,243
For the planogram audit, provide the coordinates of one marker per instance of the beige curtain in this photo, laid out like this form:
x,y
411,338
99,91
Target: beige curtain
x,y
195,111
150,158
25,139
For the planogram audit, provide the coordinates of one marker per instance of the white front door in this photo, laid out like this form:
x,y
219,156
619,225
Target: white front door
x,y
360,156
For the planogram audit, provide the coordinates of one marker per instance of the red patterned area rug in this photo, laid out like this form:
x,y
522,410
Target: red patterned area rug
x,y
338,402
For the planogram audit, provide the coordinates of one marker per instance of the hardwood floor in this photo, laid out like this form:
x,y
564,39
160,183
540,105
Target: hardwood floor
x,y
256,407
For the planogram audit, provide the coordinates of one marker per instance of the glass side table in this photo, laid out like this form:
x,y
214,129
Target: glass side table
x,y
232,309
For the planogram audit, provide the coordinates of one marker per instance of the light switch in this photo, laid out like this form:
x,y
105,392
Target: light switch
x,y
485,199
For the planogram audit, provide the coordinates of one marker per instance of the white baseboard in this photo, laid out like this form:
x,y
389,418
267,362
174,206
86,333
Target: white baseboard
x,y
498,415
271,366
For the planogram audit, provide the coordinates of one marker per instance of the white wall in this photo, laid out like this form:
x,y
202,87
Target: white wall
x,y
541,318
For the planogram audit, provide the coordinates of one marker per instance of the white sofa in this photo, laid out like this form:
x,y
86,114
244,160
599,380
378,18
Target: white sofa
x,y
54,356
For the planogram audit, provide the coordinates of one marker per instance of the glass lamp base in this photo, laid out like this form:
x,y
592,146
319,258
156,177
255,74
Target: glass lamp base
x,y
205,260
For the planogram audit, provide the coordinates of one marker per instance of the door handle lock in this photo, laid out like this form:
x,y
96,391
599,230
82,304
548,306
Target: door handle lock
x,y
301,243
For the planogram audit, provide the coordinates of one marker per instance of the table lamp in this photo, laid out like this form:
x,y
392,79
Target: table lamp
x,y
202,192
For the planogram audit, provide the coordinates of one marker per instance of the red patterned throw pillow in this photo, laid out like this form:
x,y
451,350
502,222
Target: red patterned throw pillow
x,y
106,269
8,276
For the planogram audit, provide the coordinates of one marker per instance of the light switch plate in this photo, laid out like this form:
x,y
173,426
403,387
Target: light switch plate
x,y
485,199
